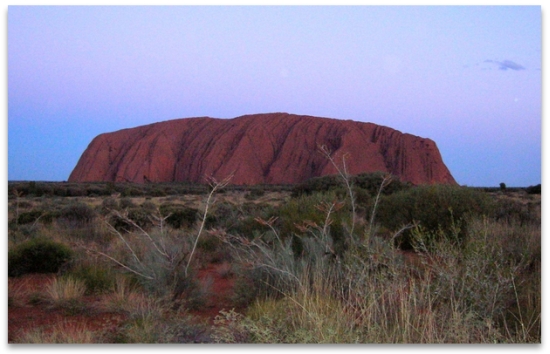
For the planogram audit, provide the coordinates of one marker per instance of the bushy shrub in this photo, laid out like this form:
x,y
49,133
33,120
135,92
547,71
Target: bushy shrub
x,y
94,191
317,184
37,256
39,189
307,209
98,278
179,216
76,192
534,189
437,209
257,282
124,222
132,192
509,210
247,226
255,193
126,203
369,182
149,206
29,216
108,204
77,213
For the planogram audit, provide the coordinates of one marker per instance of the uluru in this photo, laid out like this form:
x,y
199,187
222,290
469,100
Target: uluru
x,y
273,148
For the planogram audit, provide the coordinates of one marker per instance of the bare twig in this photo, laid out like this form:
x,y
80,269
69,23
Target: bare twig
x,y
145,233
123,265
215,186
385,182
116,232
270,224
343,172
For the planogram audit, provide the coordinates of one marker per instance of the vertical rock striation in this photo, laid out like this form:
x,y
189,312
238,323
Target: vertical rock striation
x,y
276,148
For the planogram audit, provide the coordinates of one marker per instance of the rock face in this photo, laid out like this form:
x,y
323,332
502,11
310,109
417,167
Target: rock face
x,y
276,148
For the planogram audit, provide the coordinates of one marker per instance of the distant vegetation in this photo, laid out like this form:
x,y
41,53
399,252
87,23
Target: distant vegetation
x,y
336,259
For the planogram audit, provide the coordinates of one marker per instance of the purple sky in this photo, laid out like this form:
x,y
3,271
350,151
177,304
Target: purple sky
x,y
468,78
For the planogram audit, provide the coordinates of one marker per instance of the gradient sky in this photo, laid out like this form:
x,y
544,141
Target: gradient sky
x,y
468,78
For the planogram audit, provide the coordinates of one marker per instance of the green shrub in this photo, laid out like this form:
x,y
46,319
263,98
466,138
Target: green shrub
x,y
29,216
255,193
437,209
23,204
109,204
307,209
95,191
32,216
138,215
179,216
98,279
141,217
76,192
257,282
370,182
534,189
131,192
509,210
149,206
126,203
37,256
247,226
317,184
78,213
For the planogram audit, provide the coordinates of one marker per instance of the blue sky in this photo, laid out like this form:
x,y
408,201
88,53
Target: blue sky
x,y
467,77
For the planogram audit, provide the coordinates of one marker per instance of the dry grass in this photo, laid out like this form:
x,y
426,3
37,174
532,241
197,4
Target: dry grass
x,y
17,292
64,289
61,333
124,298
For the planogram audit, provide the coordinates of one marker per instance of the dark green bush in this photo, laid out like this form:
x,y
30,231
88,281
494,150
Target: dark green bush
x,y
257,282
132,192
369,182
76,192
22,204
96,191
29,216
98,279
158,192
317,184
255,193
238,219
40,189
77,213
437,209
534,189
510,211
247,226
126,203
209,243
108,204
296,211
179,216
141,217
37,256
149,206
138,215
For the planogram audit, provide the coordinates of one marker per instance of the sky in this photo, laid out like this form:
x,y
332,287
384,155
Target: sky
x,y
467,77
